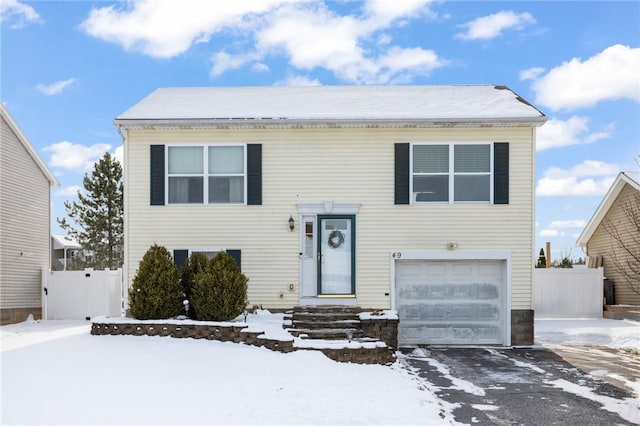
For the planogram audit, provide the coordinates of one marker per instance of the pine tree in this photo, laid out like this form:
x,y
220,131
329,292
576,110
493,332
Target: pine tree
x,y
156,292
97,216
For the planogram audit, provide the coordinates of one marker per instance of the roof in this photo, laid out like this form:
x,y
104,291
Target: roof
x,y
278,105
623,178
64,242
27,145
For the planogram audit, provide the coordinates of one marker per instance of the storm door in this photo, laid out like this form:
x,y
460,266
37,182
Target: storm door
x,y
336,255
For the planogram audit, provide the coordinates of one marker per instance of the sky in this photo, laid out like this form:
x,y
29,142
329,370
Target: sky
x,y
68,68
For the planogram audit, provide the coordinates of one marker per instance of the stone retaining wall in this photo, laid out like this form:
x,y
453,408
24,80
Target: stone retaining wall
x,y
382,329
240,334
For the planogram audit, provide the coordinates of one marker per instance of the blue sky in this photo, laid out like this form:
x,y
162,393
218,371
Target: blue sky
x,y
69,68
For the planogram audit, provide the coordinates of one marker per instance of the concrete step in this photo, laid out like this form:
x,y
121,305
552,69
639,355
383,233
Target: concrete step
x,y
325,316
327,309
327,334
315,324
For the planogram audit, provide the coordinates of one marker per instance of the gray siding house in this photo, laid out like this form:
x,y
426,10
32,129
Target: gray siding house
x,y
25,188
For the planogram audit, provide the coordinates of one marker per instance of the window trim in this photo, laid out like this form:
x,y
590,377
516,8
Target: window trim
x,y
451,173
206,173
205,250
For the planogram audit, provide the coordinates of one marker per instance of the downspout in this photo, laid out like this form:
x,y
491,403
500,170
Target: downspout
x,y
123,271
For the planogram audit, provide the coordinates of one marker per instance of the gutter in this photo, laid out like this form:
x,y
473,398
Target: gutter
x,y
327,123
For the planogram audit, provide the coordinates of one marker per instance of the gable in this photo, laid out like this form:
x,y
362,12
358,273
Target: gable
x,y
622,181
9,124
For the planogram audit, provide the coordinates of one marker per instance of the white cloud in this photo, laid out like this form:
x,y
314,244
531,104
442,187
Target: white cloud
x,y
167,28
308,34
119,154
69,191
298,80
557,133
568,224
609,75
586,168
531,73
589,178
75,157
55,88
549,233
492,26
17,14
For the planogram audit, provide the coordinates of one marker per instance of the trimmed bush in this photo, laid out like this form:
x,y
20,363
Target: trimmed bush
x,y
196,263
156,292
220,291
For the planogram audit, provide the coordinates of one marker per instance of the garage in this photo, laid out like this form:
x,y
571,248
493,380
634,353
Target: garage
x,y
451,302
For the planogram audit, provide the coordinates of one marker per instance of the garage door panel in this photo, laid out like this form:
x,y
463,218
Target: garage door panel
x,y
450,302
470,291
450,312
450,334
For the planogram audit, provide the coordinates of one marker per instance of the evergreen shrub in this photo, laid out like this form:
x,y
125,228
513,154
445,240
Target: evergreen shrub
x,y
197,262
156,292
219,292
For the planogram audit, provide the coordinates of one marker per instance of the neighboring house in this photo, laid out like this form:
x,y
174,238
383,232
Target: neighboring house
x,y
25,188
416,198
64,251
599,243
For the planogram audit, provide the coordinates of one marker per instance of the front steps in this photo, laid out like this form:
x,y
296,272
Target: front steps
x,y
327,322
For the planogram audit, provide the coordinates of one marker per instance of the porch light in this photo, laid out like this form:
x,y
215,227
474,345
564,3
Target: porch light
x,y
292,223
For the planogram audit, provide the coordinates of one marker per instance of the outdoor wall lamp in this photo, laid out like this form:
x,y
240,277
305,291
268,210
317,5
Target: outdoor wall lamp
x,y
292,223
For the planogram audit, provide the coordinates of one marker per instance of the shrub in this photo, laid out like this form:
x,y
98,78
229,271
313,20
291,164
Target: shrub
x,y
220,291
156,292
196,263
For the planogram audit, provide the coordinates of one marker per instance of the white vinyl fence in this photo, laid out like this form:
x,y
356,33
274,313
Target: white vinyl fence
x,y
81,294
568,293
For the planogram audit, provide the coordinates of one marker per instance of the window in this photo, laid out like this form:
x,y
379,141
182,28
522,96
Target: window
x,y
206,174
451,173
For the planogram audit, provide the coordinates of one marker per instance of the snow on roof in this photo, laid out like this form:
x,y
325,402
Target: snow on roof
x,y
64,242
449,103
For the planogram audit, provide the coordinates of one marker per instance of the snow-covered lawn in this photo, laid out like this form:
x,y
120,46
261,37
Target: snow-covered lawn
x,y
55,372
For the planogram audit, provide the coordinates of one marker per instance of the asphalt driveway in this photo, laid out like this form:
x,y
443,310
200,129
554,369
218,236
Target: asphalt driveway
x,y
530,386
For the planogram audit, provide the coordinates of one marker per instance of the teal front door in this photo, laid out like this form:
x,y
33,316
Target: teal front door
x,y
336,255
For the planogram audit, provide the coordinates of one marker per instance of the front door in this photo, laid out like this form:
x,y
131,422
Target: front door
x,y
336,255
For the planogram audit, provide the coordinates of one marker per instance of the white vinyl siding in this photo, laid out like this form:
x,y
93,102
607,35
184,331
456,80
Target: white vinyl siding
x,y
24,214
343,166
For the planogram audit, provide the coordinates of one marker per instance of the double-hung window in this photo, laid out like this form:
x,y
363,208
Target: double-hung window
x,y
451,172
210,174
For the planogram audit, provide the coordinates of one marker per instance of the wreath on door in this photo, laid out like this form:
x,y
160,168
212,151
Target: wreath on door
x,y
336,239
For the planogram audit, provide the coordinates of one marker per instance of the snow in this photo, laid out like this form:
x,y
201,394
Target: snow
x,y
269,104
617,334
55,372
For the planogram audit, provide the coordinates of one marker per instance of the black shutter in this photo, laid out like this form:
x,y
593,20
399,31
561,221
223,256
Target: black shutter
x,y
237,256
254,174
501,173
402,173
180,257
157,175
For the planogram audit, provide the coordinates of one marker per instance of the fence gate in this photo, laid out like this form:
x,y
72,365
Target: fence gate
x,y
72,295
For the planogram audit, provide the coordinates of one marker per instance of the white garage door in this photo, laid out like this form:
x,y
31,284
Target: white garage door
x,y
451,301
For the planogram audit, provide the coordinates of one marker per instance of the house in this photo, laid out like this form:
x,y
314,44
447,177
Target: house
x,y
25,184
619,211
64,250
416,198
